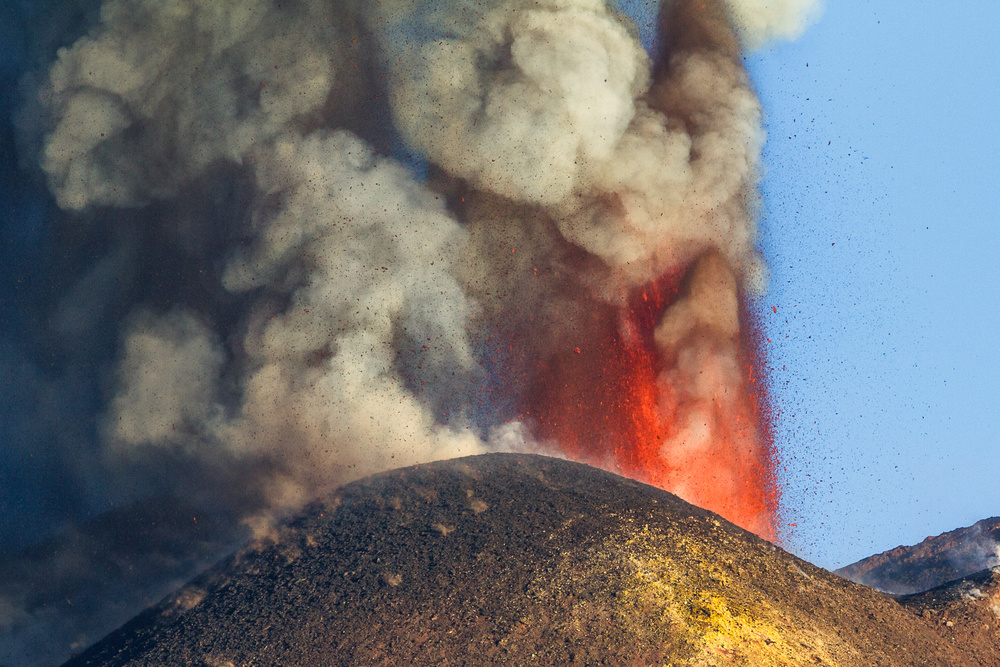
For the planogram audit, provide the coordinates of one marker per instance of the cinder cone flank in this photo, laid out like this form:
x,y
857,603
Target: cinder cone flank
x,y
520,559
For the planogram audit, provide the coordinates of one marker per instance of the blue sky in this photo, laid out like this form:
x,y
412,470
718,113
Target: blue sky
x,y
882,192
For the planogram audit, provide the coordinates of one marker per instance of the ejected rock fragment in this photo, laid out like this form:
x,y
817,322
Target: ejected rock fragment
x,y
569,565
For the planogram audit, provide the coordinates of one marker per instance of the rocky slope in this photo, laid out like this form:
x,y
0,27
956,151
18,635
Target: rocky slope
x,y
523,560
965,612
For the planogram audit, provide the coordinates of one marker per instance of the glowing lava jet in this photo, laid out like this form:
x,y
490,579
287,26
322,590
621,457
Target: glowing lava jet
x,y
668,394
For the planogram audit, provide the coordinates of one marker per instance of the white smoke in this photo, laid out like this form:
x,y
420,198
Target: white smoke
x,y
562,118
559,91
993,555
167,381
761,21
161,90
373,249
698,337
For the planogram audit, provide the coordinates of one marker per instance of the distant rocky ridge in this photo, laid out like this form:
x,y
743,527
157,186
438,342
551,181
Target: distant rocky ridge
x,y
525,560
934,562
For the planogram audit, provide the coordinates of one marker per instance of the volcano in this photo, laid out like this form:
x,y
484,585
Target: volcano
x,y
524,559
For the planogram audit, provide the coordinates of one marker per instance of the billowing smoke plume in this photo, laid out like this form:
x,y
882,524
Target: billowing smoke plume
x,y
347,236
349,310
564,118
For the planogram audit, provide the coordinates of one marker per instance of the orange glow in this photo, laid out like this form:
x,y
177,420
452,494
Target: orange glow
x,y
603,402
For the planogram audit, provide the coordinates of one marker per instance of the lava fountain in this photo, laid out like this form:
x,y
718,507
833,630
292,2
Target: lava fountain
x,y
667,384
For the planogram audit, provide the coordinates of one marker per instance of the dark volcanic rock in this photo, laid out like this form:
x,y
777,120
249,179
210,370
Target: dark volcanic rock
x,y
519,560
935,561
67,592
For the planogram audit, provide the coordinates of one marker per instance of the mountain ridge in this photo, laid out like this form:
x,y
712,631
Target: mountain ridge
x,y
935,561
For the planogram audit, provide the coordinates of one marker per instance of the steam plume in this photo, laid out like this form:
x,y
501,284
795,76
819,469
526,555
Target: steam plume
x,y
335,238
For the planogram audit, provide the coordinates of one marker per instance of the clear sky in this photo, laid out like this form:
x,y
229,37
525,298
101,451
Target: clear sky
x,y
882,194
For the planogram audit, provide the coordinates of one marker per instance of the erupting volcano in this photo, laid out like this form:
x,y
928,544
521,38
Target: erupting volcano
x,y
302,242
632,300
359,198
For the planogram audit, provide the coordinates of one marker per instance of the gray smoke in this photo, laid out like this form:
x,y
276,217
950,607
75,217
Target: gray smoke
x,y
345,263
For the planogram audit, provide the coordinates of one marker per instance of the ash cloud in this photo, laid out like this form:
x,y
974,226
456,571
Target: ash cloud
x,y
645,177
340,267
255,294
